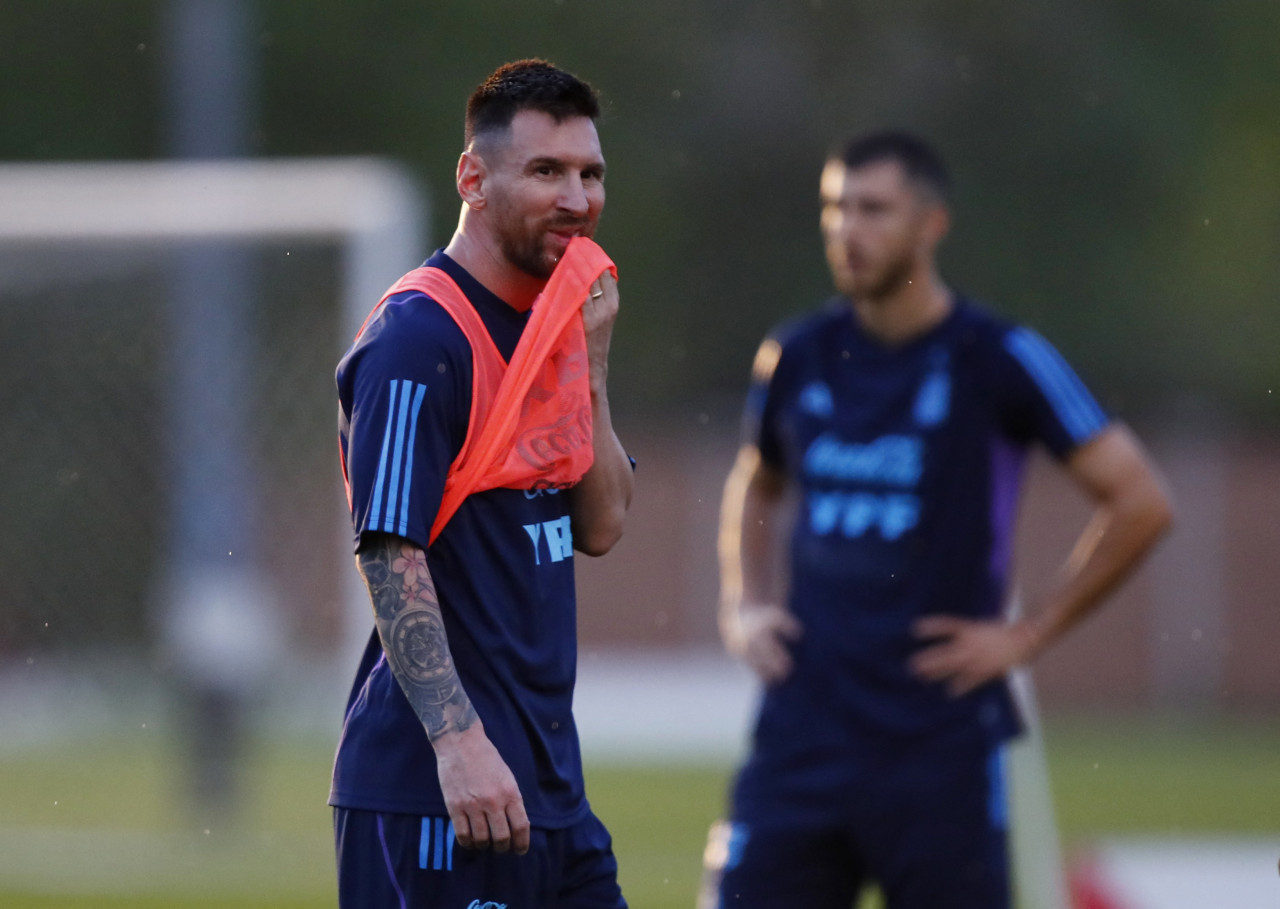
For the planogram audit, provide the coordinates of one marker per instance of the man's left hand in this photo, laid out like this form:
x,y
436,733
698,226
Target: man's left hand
x,y
968,653
599,312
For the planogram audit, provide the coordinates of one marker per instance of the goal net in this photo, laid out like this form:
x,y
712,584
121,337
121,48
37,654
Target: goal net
x,y
104,462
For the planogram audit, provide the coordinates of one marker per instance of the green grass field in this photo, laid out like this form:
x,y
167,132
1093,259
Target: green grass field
x,y
103,823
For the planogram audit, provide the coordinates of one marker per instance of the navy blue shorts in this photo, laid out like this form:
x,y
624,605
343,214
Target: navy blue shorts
x,y
401,861
929,838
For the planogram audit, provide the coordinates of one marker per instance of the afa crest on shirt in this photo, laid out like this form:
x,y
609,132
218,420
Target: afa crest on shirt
x,y
933,399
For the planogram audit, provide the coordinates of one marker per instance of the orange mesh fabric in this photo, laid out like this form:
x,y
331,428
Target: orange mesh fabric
x,y
530,423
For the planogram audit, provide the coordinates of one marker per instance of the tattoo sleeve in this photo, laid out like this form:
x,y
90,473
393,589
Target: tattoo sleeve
x,y
407,614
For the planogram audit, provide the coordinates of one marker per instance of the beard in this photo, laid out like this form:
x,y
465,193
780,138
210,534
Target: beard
x,y
885,282
527,250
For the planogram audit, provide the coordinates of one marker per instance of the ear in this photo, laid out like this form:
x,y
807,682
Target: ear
x,y
937,224
471,179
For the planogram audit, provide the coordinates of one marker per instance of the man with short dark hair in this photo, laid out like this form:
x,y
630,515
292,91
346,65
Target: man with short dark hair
x,y
888,432
458,778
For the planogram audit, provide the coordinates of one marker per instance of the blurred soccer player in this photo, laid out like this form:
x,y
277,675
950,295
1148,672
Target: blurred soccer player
x,y
889,430
458,779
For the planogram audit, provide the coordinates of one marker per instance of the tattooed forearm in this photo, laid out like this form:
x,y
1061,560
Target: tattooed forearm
x,y
407,613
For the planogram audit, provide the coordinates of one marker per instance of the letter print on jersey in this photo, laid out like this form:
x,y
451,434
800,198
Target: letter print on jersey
x,y
557,535
390,506
872,485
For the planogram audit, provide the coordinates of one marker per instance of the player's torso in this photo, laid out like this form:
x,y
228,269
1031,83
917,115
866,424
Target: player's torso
x,y
503,573
890,449
894,454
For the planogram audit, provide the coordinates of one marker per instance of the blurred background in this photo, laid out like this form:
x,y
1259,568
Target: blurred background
x,y
169,409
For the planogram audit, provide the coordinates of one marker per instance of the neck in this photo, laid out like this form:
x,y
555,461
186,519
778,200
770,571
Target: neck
x,y
482,258
918,304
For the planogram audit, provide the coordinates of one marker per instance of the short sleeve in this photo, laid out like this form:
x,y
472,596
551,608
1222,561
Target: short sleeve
x,y
758,419
1045,400
406,392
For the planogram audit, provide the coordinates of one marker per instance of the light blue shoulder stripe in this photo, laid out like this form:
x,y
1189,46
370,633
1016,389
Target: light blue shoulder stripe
x,y
1075,408
408,458
393,489
376,512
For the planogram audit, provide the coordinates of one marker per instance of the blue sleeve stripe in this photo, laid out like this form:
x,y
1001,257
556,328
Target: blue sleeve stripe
x,y
376,504
389,509
393,489
408,462
1074,407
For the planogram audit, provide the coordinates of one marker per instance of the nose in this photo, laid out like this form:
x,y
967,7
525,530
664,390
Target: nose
x,y
573,197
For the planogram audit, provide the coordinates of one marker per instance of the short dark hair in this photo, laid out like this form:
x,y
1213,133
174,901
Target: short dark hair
x,y
921,162
527,85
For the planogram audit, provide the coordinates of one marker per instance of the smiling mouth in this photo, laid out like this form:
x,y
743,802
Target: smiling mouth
x,y
566,231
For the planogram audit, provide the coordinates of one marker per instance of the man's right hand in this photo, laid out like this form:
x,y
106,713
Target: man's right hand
x,y
480,792
763,637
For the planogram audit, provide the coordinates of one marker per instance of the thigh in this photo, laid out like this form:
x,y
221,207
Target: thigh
x,y
769,866
401,861
589,870
941,840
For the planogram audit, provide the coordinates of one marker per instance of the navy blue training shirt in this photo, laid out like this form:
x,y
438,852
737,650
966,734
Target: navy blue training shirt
x,y
907,461
502,567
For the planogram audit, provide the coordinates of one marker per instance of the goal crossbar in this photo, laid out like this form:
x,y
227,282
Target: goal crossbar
x,y
369,207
